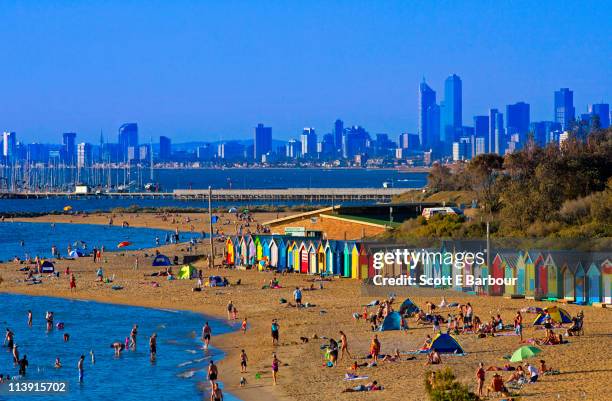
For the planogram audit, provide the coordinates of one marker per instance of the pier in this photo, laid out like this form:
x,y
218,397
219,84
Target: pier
x,y
305,194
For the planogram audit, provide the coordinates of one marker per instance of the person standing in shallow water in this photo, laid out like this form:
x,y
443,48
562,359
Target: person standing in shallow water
x,y
153,346
206,333
80,368
29,318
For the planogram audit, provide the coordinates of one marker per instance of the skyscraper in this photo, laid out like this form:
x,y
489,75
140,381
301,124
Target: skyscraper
x,y
492,124
309,142
165,148
481,129
262,142
128,137
338,130
452,124
565,114
84,154
517,121
9,145
69,148
602,110
427,99
499,134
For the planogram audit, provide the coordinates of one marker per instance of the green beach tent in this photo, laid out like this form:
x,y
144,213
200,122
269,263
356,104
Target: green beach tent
x,y
187,272
525,352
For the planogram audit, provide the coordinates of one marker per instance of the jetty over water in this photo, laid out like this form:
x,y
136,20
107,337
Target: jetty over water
x,y
305,194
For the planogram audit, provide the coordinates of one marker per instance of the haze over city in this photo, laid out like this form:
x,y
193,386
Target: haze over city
x,y
206,71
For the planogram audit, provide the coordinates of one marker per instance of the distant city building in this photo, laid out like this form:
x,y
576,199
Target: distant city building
x,y
481,129
230,151
309,142
542,131
144,153
452,110
427,105
499,137
354,141
565,113
409,141
480,146
517,121
294,149
328,147
67,153
263,141
461,149
9,145
84,154
128,137
204,153
338,131
602,111
165,148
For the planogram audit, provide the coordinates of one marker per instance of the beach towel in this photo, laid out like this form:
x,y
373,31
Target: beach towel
x,y
352,376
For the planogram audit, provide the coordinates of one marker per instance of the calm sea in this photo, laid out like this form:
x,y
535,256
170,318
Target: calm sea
x,y
180,365
39,237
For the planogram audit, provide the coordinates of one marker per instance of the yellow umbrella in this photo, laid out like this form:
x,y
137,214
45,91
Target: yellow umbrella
x,y
67,208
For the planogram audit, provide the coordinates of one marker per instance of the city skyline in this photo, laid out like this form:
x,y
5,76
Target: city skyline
x,y
205,71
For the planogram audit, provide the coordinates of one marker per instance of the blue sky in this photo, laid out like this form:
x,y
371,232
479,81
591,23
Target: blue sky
x,y
200,70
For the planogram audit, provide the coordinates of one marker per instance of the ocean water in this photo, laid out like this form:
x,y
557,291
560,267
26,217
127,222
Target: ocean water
x,y
39,237
260,178
180,364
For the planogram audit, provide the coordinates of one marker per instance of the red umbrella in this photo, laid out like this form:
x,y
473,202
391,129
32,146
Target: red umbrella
x,y
124,244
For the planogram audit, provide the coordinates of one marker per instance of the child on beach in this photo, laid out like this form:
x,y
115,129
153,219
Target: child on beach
x,y
243,327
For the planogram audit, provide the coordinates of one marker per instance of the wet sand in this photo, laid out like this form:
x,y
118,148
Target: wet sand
x,y
585,363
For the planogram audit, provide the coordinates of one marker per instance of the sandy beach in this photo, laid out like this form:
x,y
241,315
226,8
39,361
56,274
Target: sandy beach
x,y
585,365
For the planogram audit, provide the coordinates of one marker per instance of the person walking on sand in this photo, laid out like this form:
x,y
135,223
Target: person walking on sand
x,y
136,263
480,378
153,346
375,349
344,346
275,332
213,372
80,368
243,361
72,282
216,394
243,327
230,309
206,333
275,365
518,325
297,296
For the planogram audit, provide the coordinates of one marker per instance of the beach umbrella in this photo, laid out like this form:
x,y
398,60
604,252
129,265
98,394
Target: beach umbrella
x,y
123,244
232,210
525,352
245,211
67,208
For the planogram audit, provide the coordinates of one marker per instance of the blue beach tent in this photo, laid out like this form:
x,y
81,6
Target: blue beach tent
x,y
161,260
444,343
408,308
393,321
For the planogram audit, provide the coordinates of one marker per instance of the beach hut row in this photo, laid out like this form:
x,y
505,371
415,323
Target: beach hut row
x,y
583,278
